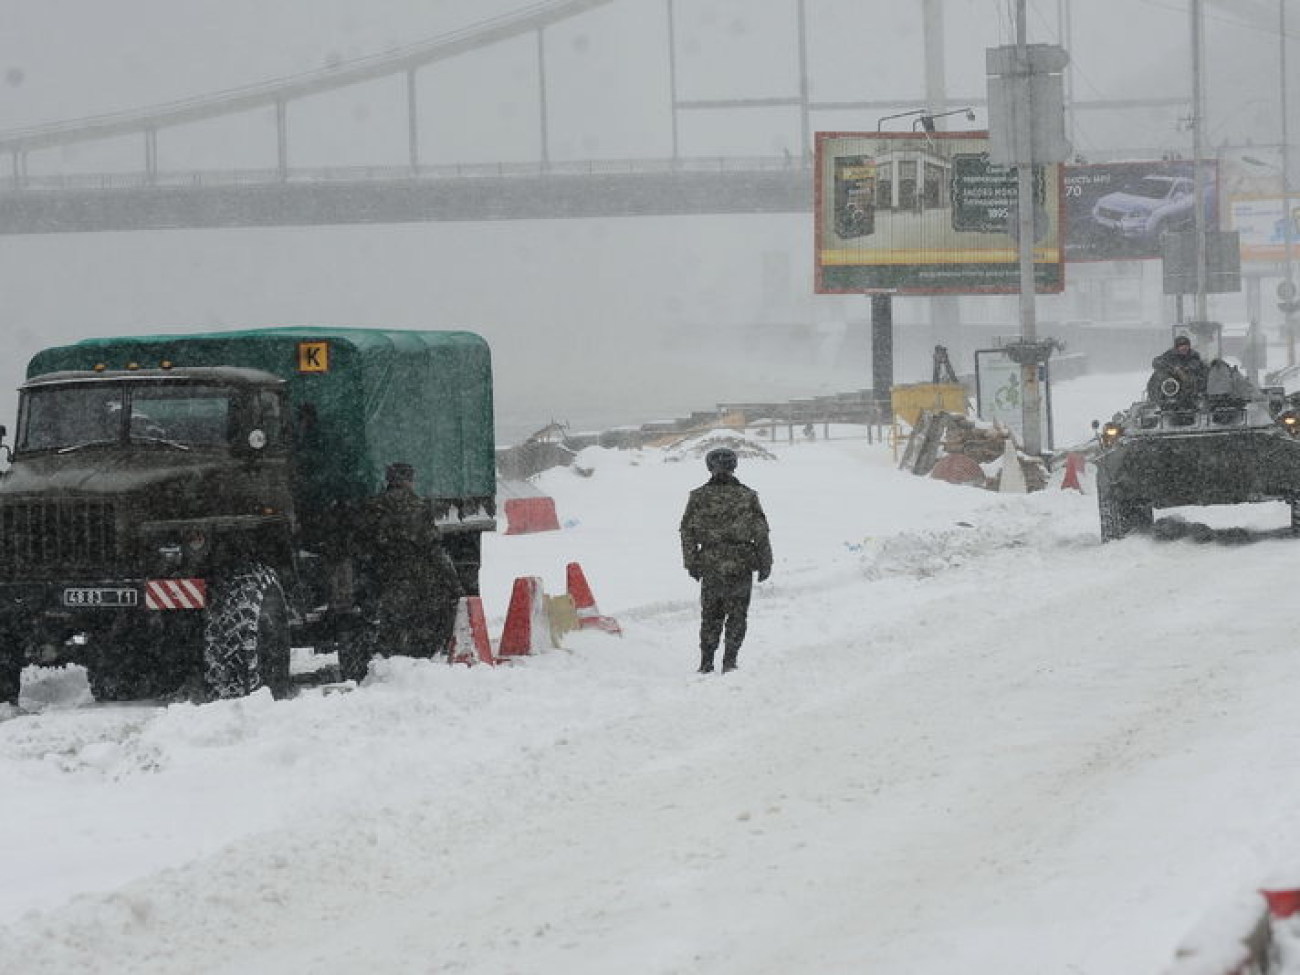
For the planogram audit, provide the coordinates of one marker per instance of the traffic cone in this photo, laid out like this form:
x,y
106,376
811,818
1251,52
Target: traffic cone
x,y
584,602
470,644
527,628
1282,904
1073,470
1013,476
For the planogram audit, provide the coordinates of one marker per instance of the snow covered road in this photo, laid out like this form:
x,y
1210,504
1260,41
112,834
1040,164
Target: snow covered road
x,y
965,737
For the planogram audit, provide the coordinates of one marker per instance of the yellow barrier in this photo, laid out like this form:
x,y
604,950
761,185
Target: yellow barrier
x,y
908,402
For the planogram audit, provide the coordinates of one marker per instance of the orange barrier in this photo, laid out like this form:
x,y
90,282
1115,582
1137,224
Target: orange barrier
x,y
527,515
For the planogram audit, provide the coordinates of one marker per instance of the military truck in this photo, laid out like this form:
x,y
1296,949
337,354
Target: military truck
x,y
179,510
1229,442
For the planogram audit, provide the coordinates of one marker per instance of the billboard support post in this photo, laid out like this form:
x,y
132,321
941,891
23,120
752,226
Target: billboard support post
x,y
882,351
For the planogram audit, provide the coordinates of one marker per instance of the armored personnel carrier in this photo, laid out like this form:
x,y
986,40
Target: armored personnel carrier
x,y
1226,442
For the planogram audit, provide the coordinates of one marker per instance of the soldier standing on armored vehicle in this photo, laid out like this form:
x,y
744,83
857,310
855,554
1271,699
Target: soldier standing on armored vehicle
x,y
416,584
1181,363
724,542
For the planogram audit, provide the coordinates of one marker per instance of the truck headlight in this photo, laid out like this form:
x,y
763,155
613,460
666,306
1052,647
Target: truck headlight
x,y
1110,433
1290,421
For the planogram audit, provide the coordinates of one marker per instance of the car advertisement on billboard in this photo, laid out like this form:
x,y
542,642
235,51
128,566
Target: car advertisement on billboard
x,y
927,213
1117,211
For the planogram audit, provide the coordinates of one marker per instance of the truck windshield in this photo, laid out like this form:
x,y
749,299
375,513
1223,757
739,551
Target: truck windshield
x,y
177,415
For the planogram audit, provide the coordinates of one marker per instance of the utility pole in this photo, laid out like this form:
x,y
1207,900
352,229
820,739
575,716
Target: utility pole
x,y
1027,128
945,310
1286,290
1024,114
1198,171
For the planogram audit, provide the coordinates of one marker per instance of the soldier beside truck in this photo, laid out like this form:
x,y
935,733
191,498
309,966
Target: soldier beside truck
x,y
180,510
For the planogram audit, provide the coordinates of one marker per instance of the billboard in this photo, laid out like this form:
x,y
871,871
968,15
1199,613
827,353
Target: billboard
x,y
1264,224
926,213
1118,211
1255,205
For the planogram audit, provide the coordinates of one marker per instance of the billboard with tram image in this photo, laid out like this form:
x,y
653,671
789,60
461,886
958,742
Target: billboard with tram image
x,y
927,213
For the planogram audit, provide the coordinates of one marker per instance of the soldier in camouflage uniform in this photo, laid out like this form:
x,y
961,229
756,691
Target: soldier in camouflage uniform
x,y
724,542
416,581
12,659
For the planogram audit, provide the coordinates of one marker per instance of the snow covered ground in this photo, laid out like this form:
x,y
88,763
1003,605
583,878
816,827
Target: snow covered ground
x,y
966,737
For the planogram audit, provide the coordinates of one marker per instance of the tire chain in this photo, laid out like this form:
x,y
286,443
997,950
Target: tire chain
x,y
230,658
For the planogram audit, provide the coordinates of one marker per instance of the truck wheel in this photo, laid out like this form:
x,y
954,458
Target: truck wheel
x,y
1295,516
121,665
246,638
355,650
113,682
12,658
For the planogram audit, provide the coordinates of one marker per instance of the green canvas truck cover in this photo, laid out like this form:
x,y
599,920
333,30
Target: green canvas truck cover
x,y
362,398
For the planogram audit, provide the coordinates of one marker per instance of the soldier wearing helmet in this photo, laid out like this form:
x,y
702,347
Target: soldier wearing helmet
x,y
724,542
415,582
1184,366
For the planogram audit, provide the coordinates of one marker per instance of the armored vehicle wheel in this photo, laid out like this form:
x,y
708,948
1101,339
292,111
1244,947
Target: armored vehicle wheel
x,y
1119,518
246,639
1141,516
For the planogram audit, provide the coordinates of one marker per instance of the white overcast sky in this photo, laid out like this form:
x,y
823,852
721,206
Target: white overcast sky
x,y
641,298
607,72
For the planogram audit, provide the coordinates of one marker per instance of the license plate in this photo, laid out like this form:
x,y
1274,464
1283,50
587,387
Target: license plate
x,y
99,596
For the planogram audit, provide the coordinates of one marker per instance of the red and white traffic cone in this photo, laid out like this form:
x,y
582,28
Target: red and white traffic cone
x,y
470,643
589,616
527,628
1073,471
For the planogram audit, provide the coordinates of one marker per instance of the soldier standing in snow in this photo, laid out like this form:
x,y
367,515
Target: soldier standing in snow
x,y
12,659
724,542
417,583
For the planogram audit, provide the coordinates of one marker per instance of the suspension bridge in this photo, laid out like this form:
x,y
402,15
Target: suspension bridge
x,y
38,198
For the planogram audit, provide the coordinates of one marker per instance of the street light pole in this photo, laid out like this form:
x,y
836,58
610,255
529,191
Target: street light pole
x,y
1032,402
1288,222
1198,171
